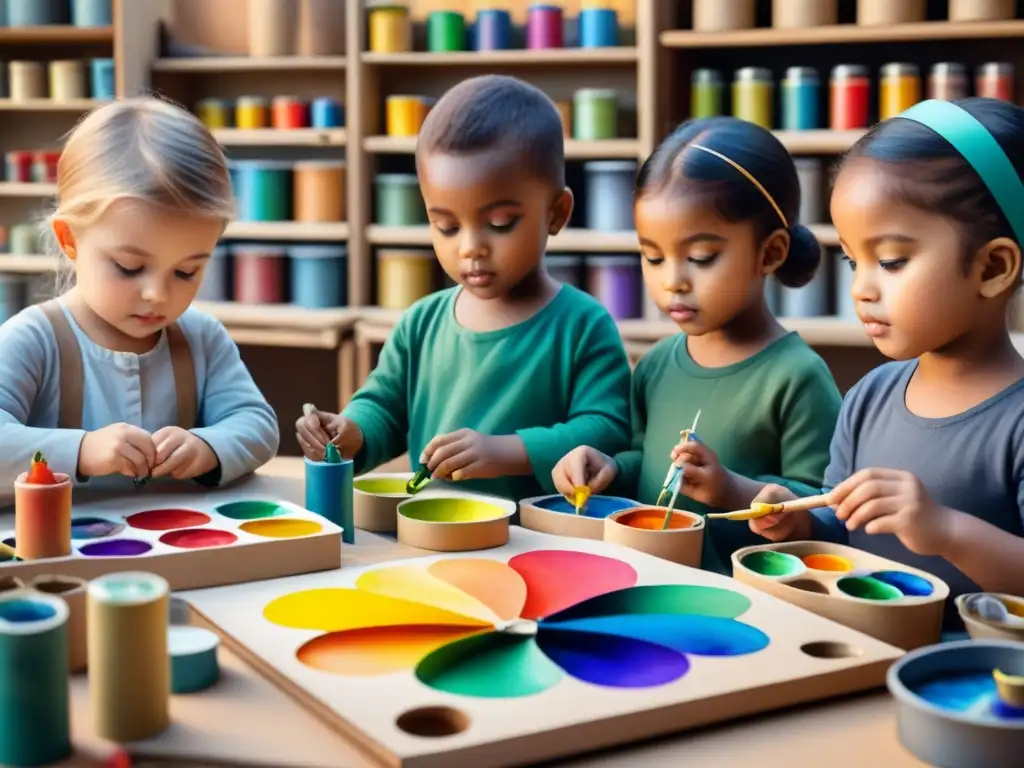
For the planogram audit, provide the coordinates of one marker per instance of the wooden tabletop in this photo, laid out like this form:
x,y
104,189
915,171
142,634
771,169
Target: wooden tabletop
x,y
246,721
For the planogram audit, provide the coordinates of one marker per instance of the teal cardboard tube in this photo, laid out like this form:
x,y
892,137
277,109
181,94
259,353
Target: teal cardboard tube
x,y
329,494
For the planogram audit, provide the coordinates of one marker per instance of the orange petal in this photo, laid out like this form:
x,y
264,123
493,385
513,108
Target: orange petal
x,y
492,583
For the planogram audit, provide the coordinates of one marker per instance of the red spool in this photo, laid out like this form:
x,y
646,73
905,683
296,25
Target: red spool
x,y
545,27
259,274
290,112
19,166
44,167
851,98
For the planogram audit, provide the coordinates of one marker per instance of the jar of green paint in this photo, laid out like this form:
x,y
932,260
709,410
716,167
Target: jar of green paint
x,y
595,114
446,31
707,93
398,200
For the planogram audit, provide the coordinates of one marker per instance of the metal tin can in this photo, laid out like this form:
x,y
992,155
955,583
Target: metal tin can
x,y
995,80
900,89
327,112
19,166
289,112
707,93
595,114
215,113
800,99
752,92
850,98
947,81
252,112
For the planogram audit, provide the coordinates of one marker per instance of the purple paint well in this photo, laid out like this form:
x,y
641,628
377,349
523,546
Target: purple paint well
x,y
116,548
93,528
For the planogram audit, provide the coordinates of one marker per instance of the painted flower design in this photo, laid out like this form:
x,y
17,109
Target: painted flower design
x,y
478,627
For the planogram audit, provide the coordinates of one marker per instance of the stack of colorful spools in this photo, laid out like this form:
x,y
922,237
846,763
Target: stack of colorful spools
x,y
303,190
282,112
25,166
62,80
41,13
848,105
391,29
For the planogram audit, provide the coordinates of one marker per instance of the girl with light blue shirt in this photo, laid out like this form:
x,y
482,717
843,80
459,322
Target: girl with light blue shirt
x,y
118,379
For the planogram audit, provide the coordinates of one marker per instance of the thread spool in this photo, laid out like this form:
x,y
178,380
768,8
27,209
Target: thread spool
x,y
398,200
216,285
404,276
723,15
259,272
129,672
800,100
44,166
18,166
792,14
446,31
947,81
215,113
252,112
101,78
36,13
72,591
193,658
812,190
42,518
995,80
290,112
884,12
326,112
599,28
609,194
319,190
329,494
545,27
34,700
91,13
27,80
493,31
565,114
273,27
390,28
900,89
264,190
850,97
565,269
810,300
404,115
595,114
321,28
616,282
982,10
752,96
318,278
707,93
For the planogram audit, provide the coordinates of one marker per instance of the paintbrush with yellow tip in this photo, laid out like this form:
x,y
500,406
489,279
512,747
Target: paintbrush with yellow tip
x,y
760,509
580,496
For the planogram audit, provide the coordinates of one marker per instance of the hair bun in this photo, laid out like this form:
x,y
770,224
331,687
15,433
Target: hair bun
x,y
803,259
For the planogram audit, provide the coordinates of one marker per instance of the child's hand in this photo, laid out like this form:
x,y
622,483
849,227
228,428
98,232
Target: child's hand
x,y
465,455
315,430
704,478
120,449
584,466
785,526
181,455
893,501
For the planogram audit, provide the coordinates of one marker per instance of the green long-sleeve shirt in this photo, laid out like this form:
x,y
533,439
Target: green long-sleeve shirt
x,y
557,380
769,417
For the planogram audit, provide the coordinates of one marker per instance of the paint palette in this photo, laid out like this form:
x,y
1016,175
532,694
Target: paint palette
x,y
542,648
887,600
192,541
556,515
953,706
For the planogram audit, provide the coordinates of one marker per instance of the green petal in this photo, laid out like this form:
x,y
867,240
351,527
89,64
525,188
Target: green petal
x,y
666,598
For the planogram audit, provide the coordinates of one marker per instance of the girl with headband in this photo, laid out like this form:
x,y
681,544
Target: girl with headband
x,y
927,463
715,209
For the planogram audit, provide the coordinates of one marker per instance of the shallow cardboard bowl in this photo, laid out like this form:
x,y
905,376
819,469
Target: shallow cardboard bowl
x,y
640,528
981,628
376,497
554,514
454,523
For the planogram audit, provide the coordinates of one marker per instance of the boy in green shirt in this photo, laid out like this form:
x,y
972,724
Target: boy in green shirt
x,y
491,382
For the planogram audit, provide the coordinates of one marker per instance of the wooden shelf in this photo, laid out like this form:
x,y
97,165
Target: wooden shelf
x,y
219,64
26,189
574,149
837,34
49,105
56,34
281,325
275,137
547,57
27,264
294,231
822,142
569,240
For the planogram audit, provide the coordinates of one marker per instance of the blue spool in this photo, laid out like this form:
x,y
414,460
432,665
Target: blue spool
x,y
36,13
800,100
329,493
102,78
493,30
91,13
326,112
318,275
263,190
599,28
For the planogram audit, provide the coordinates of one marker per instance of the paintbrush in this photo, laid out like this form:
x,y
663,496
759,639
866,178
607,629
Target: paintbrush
x,y
760,509
580,495
9,551
686,434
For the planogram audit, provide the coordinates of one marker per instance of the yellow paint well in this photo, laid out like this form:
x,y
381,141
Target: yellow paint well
x,y
281,528
452,510
381,486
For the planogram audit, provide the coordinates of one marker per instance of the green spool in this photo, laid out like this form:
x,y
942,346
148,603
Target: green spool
x,y
446,32
707,94
34,701
595,114
399,202
193,653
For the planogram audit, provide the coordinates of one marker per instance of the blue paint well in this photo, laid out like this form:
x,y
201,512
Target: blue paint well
x,y
909,584
598,507
25,611
620,662
969,693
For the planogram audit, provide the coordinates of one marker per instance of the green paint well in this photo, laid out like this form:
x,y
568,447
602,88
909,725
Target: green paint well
x,y
660,599
451,510
868,588
250,510
381,486
768,563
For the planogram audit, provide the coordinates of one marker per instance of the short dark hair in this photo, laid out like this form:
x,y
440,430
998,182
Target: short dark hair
x,y
498,111
729,192
934,177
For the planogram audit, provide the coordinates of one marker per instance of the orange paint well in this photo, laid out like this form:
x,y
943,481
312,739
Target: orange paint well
x,y
834,563
653,519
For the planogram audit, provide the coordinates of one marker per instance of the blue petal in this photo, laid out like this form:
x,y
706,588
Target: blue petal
x,y
684,633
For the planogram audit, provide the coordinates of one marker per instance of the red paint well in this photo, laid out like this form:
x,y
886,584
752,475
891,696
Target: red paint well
x,y
167,519
200,538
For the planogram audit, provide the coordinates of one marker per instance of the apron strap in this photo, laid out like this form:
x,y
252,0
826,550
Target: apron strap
x,y
71,372
184,376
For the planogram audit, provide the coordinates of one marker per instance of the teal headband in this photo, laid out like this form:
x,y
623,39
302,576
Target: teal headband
x,y
981,151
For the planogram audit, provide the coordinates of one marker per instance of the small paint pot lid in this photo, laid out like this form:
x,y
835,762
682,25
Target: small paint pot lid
x,y
405,253
753,73
849,70
256,251
419,98
386,5
544,7
128,588
260,100
286,99
260,165
611,166
613,261
319,164
595,93
317,251
396,178
327,100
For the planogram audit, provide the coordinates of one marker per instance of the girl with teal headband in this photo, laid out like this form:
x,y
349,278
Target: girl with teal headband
x,y
927,463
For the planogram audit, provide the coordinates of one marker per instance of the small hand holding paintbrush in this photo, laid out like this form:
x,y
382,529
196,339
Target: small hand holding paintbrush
x,y
759,509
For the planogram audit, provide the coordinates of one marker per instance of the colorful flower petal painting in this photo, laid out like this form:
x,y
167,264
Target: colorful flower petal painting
x,y
483,628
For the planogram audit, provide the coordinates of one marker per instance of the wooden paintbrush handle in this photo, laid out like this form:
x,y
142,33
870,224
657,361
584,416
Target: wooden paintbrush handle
x,y
805,504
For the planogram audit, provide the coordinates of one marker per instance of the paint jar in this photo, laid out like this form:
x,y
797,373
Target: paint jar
x,y
800,99
321,28
707,93
404,276
101,78
565,113
319,190
67,80
752,93
27,80
318,275
252,112
493,30
723,15
900,89
566,269
327,112
25,239
811,176
599,27
595,114
259,274
446,31
884,12
995,80
18,166
13,296
793,14
215,113
617,282
398,200
264,190
609,194
91,13
404,115
289,112
42,518
216,285
947,81
44,166
982,10
850,98
810,300
545,27
390,28
36,13
273,27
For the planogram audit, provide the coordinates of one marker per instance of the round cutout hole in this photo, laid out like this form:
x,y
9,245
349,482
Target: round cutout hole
x,y
828,649
433,722
809,585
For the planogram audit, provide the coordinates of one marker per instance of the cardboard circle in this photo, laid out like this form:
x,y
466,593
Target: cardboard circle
x,y
453,523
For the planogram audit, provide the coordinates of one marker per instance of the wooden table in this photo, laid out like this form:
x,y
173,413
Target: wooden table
x,y
244,720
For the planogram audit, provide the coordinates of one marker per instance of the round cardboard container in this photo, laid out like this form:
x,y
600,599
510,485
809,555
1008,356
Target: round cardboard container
x,y
639,528
376,497
454,523
981,628
554,514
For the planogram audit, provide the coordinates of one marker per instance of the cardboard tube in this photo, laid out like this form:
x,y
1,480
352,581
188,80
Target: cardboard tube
x,y
72,591
42,518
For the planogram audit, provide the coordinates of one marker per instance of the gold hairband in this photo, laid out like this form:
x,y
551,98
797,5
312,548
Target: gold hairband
x,y
753,181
